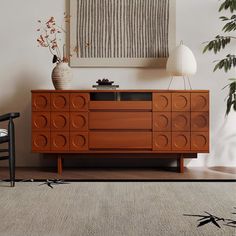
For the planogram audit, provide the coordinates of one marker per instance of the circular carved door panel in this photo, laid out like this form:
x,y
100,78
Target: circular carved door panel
x,y
41,102
41,141
79,102
199,101
181,102
180,121
181,141
60,141
79,121
78,141
199,121
162,121
162,102
41,121
60,101
162,141
200,141
60,121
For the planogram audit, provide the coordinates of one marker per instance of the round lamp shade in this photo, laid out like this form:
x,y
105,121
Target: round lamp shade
x,y
181,62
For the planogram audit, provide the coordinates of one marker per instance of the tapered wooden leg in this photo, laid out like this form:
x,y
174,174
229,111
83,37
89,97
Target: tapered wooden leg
x,y
181,164
59,164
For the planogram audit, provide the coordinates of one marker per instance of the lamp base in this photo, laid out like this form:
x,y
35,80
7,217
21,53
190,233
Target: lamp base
x,y
184,79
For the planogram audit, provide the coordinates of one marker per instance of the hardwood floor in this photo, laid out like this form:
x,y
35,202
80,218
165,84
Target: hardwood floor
x,y
112,174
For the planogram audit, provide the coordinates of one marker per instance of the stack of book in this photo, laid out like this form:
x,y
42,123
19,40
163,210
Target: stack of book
x,y
104,87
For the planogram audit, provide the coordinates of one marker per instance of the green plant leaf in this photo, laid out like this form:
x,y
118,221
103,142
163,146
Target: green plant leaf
x,y
228,5
224,18
227,63
235,105
217,44
231,101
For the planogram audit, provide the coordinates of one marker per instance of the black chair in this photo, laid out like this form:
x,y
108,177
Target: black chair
x,y
10,139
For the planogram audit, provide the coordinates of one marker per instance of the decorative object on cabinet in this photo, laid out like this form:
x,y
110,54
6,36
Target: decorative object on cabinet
x,y
104,81
181,62
62,76
49,33
8,136
105,84
121,33
164,124
219,43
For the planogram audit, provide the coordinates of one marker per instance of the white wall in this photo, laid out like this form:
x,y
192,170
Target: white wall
x,y
24,66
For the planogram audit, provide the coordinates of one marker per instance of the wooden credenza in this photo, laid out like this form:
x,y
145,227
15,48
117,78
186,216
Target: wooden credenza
x,y
160,122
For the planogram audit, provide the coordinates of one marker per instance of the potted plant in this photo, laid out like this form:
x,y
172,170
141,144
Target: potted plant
x,y
50,37
219,43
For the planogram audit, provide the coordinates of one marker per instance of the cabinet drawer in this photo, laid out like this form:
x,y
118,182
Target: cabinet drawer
x,y
120,105
120,120
120,140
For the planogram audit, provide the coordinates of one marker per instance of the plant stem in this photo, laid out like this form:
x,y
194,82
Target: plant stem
x,y
49,47
60,27
57,48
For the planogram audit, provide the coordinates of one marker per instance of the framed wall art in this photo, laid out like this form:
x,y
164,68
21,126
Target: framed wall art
x,y
121,33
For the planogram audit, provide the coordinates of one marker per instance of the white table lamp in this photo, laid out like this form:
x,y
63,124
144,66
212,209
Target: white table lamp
x,y
181,62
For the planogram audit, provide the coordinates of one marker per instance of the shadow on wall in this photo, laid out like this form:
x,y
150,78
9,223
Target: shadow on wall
x,y
224,143
19,100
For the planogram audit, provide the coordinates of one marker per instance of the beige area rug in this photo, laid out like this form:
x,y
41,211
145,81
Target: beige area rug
x,y
112,209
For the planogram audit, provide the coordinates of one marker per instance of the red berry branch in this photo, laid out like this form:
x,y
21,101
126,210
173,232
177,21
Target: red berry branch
x,y
50,36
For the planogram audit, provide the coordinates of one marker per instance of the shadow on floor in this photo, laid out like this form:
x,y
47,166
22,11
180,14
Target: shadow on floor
x,y
228,170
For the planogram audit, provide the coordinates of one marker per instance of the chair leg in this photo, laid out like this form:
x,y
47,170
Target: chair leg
x,y
11,149
12,169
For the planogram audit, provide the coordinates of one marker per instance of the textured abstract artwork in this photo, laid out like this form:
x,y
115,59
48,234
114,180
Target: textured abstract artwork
x,y
133,33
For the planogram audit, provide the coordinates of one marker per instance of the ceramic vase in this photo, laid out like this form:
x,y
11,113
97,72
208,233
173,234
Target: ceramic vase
x,y
62,76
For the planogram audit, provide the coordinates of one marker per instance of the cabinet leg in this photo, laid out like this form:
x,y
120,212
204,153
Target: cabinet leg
x,y
59,164
181,164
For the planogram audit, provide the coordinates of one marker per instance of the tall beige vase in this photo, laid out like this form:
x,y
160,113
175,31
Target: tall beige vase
x,y
62,76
